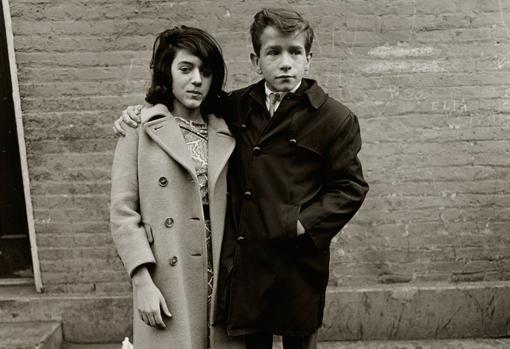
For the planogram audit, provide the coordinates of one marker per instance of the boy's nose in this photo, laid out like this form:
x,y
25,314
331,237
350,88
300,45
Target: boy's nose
x,y
285,62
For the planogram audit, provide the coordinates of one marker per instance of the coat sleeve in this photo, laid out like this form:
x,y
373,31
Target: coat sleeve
x,y
128,232
343,190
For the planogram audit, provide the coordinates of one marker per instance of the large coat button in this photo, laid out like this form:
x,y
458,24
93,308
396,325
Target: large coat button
x,y
292,141
163,182
248,194
257,150
169,222
173,261
241,240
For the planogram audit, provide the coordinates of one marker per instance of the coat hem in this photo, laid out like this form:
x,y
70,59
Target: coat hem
x,y
277,332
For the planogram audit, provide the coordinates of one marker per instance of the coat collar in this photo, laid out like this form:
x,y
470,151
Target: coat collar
x,y
161,126
309,88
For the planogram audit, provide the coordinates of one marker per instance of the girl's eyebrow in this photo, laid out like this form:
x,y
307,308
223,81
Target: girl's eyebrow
x,y
185,62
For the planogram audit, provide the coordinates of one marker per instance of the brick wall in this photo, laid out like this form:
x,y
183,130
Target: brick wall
x,y
430,81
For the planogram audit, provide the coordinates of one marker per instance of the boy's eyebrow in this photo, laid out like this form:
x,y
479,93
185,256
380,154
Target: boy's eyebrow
x,y
272,47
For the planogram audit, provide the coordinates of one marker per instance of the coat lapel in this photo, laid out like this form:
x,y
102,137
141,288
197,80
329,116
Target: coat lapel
x,y
165,132
220,147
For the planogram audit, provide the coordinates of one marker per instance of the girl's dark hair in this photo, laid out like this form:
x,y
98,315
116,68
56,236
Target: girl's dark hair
x,y
197,42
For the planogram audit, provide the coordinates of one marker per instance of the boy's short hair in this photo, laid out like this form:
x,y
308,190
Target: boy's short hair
x,y
284,20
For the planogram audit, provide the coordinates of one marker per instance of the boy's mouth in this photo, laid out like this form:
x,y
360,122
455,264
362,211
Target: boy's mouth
x,y
285,77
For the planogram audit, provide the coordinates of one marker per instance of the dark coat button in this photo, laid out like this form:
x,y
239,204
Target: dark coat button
x,y
243,127
163,182
169,222
173,261
292,141
248,194
257,150
241,240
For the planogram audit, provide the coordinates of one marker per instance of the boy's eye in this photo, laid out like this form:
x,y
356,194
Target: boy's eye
x,y
185,69
272,53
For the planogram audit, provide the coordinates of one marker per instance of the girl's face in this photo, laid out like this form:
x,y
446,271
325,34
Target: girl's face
x,y
191,82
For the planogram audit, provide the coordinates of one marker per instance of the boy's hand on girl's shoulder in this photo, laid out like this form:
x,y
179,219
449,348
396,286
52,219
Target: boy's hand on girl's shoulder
x,y
130,116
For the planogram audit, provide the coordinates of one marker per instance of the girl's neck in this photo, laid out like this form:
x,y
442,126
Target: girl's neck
x,y
188,114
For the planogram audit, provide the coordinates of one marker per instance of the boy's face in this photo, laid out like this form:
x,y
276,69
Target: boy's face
x,y
283,60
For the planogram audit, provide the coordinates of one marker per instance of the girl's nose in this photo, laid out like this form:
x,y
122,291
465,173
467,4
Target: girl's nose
x,y
196,78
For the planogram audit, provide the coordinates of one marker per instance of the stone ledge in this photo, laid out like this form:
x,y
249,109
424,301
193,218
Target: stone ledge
x,y
391,312
30,335
471,310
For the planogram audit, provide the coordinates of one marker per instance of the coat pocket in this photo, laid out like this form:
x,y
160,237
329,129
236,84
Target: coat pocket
x,y
310,144
148,232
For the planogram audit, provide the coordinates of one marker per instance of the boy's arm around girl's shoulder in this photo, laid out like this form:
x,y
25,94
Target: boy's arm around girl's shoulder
x,y
344,187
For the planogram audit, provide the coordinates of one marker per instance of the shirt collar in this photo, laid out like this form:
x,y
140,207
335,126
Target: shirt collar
x,y
268,91
308,87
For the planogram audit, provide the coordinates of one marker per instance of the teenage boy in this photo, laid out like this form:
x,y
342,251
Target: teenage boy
x,y
295,181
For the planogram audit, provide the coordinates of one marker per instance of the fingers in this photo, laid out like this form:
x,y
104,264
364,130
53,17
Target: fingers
x,y
129,118
143,317
152,321
152,318
159,320
117,128
164,307
132,115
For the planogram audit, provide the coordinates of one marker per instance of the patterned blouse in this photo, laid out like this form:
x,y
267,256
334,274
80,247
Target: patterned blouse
x,y
195,136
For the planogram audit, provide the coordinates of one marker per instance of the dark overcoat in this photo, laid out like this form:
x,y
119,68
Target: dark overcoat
x,y
301,164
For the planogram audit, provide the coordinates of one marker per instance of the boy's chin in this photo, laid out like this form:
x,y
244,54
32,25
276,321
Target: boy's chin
x,y
284,86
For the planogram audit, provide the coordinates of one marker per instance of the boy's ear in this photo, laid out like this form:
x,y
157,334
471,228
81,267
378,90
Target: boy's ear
x,y
255,62
308,61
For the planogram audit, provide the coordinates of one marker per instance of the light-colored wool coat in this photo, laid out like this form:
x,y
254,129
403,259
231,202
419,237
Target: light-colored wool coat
x,y
157,219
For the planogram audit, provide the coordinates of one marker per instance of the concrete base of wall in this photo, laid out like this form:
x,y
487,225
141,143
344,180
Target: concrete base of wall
x,y
478,310
30,335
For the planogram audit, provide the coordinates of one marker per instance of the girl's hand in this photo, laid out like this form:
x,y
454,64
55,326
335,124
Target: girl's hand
x,y
149,300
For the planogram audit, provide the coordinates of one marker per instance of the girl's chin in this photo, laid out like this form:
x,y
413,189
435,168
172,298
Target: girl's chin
x,y
193,105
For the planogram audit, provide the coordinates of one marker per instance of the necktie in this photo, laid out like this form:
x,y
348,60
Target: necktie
x,y
274,98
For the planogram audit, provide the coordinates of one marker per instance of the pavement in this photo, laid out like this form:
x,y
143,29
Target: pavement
x,y
502,343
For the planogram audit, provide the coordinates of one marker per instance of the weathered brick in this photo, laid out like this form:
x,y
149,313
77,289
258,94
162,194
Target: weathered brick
x,y
428,80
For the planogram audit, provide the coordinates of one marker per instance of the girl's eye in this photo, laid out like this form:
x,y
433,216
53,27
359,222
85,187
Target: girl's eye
x,y
206,73
185,69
